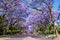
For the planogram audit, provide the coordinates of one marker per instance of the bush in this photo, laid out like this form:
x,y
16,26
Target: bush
x,y
49,31
13,31
58,29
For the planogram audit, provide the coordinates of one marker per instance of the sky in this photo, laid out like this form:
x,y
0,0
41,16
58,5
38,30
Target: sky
x,y
55,5
55,8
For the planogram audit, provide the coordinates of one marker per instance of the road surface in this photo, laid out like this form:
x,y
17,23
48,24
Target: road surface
x,y
26,37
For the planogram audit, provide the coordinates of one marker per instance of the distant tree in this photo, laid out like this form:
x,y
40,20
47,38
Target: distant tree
x,y
14,10
3,24
46,7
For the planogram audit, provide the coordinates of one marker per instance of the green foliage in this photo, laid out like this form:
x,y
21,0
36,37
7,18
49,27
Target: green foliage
x,y
14,31
3,27
49,31
58,29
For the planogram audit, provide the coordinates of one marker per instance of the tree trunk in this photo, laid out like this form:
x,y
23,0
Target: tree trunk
x,y
4,31
52,22
55,31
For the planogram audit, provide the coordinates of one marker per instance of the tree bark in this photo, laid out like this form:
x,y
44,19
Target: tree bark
x,y
52,22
